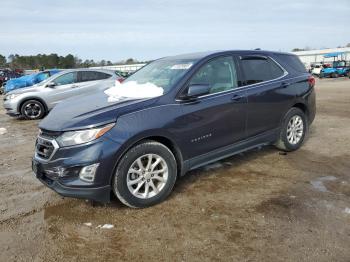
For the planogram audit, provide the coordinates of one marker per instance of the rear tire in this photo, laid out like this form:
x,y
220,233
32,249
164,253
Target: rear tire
x,y
294,129
32,110
335,75
145,175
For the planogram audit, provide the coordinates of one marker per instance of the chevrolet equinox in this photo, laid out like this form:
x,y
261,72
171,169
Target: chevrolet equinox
x,y
174,115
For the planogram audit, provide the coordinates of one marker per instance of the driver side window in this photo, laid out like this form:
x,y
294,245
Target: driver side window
x,y
66,79
219,74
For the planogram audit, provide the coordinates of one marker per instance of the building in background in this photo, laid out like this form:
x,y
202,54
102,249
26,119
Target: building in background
x,y
122,68
318,56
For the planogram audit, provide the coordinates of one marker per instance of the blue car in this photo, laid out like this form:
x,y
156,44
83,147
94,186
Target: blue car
x,y
28,80
339,68
176,114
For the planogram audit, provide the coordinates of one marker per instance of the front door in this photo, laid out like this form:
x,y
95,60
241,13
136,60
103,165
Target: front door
x,y
217,119
65,86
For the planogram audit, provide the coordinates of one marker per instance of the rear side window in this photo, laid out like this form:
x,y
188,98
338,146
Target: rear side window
x,y
294,62
260,69
92,76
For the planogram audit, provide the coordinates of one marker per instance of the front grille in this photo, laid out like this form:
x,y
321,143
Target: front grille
x,y
49,134
45,148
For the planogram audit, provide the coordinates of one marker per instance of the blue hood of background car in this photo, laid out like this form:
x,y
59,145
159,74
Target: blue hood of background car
x,y
28,80
89,111
20,82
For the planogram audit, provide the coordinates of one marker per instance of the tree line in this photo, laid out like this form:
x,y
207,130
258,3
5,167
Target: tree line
x,y
43,61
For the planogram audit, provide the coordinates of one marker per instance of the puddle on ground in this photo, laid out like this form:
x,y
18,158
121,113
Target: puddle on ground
x,y
318,183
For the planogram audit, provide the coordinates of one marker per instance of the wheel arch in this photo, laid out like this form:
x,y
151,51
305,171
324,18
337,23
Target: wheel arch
x,y
20,104
297,104
303,107
162,139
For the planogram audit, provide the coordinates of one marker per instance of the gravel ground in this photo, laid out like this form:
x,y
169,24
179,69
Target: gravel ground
x,y
258,206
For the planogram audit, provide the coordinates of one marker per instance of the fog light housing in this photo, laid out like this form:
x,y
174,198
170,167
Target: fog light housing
x,y
87,173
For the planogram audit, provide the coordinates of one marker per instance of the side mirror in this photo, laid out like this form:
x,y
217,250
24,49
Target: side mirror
x,y
197,90
51,85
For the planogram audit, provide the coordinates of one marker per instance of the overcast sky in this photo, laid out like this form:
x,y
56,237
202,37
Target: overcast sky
x,y
148,29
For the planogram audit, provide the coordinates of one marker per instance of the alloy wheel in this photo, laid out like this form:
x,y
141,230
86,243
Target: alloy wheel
x,y
147,176
32,110
295,130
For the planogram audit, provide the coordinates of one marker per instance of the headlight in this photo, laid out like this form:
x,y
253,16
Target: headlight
x,y
71,138
11,96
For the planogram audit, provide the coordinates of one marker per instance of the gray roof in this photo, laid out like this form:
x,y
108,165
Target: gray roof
x,y
200,55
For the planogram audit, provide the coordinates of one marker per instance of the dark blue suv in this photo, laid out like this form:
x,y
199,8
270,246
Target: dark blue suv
x,y
173,115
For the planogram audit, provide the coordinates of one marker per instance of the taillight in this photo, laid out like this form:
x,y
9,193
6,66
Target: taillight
x,y
311,80
120,80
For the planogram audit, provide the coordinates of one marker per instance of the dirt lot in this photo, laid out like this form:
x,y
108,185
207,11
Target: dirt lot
x,y
258,206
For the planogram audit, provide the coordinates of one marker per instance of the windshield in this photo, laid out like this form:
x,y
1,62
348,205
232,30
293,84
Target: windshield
x,y
42,76
163,73
339,64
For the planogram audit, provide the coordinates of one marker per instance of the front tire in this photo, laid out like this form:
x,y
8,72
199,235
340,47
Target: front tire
x,y
294,129
145,175
32,110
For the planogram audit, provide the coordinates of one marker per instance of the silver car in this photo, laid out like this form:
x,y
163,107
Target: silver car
x,y
36,101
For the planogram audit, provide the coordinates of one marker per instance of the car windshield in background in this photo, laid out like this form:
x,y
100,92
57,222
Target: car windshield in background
x,y
163,73
46,81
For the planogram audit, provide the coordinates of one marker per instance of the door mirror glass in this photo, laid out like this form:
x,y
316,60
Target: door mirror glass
x,y
51,85
198,90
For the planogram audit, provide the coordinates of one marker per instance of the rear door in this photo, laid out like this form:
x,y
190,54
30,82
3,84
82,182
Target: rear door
x,y
218,119
267,93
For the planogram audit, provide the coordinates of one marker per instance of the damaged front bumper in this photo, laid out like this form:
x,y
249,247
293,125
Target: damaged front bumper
x,y
83,171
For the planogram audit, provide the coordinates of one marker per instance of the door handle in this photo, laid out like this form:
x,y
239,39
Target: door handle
x,y
236,98
74,86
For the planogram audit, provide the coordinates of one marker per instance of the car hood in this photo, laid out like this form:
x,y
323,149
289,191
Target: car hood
x,y
89,111
24,90
20,82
